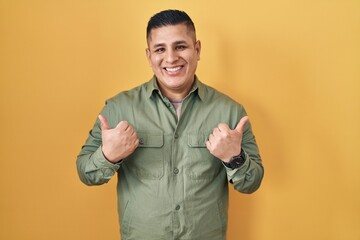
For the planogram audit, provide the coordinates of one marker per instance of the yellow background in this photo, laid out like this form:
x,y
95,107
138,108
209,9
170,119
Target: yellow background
x,y
295,65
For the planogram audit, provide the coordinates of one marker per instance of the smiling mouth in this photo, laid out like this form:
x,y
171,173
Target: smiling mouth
x,y
173,69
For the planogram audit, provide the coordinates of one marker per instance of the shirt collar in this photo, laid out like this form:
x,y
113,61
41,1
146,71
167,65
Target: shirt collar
x,y
198,88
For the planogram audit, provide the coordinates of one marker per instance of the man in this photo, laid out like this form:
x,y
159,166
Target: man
x,y
174,143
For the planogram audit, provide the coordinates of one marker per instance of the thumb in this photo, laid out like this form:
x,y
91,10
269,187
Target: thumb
x,y
240,126
103,123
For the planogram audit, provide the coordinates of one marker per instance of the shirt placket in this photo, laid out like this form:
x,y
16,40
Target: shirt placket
x,y
179,144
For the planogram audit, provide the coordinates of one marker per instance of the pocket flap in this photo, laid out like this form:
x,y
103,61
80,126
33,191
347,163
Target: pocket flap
x,y
197,140
155,140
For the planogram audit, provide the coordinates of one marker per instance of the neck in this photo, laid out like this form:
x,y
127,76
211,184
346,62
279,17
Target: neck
x,y
176,100
176,95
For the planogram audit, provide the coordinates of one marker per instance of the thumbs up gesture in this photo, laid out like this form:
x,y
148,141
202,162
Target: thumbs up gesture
x,y
118,142
225,143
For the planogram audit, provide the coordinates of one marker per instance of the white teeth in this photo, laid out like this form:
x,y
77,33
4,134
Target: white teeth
x,y
173,69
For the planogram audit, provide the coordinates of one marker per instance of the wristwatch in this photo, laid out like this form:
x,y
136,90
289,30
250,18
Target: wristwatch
x,y
236,161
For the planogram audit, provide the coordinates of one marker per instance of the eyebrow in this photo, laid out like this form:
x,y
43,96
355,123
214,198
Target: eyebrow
x,y
174,43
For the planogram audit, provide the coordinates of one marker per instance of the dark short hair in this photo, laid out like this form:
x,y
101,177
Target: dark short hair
x,y
169,17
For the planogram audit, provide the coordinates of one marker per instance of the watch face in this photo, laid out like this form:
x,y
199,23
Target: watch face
x,y
236,161
239,160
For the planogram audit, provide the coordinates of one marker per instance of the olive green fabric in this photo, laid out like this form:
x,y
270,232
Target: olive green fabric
x,y
171,187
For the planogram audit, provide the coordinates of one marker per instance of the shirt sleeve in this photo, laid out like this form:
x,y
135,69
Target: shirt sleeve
x,y
247,178
92,166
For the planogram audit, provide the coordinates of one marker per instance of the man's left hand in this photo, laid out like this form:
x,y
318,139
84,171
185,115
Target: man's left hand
x,y
225,143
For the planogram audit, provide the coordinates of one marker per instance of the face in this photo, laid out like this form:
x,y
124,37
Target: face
x,y
173,54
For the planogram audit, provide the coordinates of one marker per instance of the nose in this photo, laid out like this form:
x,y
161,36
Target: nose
x,y
171,56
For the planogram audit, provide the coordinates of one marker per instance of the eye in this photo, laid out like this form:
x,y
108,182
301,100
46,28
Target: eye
x,y
180,47
159,50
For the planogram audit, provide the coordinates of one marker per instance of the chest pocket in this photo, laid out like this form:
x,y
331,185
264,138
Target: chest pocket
x,y
147,162
201,164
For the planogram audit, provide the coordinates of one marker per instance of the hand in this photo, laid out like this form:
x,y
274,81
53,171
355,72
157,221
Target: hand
x,y
119,142
225,143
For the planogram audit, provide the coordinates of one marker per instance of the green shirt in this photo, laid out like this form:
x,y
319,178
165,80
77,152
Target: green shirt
x,y
172,187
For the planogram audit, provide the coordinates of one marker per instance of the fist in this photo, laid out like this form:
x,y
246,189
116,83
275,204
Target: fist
x,y
118,142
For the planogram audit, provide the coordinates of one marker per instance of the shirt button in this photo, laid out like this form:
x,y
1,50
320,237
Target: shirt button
x,y
177,207
176,171
176,136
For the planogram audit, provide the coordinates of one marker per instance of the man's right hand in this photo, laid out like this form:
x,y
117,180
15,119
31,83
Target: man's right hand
x,y
118,142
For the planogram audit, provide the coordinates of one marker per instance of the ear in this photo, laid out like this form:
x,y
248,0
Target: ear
x,y
198,49
148,55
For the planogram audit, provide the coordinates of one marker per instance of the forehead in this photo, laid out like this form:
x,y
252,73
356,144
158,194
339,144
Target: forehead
x,y
170,34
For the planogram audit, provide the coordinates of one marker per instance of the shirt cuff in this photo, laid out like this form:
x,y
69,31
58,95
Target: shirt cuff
x,y
101,162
